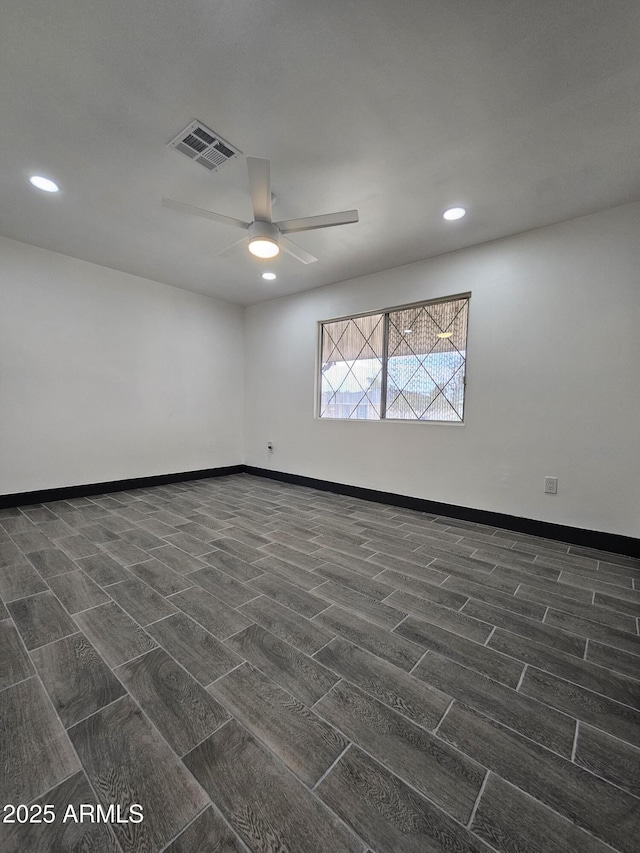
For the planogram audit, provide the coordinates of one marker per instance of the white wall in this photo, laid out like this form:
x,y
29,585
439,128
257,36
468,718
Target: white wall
x,y
107,376
553,380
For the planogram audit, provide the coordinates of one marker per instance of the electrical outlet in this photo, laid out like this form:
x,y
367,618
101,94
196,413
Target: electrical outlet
x,y
270,446
551,485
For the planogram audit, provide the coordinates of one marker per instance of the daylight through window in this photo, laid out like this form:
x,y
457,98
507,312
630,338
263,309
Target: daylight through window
x,y
401,364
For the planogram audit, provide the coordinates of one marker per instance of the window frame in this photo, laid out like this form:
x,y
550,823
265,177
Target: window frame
x,y
383,416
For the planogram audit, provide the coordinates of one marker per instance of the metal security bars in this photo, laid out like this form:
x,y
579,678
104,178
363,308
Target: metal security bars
x,y
401,364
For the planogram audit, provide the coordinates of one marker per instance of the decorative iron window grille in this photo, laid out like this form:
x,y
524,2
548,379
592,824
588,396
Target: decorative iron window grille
x,y
404,363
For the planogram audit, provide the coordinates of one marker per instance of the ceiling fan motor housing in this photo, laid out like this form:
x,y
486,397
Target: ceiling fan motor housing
x,y
264,230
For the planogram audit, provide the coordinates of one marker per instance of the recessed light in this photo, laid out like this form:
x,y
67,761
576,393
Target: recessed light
x,y
445,334
454,213
44,184
268,276
407,331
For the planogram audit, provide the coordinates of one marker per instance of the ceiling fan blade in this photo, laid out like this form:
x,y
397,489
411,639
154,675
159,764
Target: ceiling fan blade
x,y
260,185
295,251
232,249
326,220
205,214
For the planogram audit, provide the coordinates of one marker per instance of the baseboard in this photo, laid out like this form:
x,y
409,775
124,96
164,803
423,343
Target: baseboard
x,y
85,490
612,542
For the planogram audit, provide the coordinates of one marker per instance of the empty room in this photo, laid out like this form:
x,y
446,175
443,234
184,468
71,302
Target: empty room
x,y
319,406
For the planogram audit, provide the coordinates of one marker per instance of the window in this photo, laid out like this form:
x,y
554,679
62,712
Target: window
x,y
400,364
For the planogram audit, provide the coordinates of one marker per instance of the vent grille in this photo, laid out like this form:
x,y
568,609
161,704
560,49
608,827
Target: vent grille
x,y
202,145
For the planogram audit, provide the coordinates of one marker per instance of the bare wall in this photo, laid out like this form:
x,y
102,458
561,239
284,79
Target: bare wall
x,y
553,388
106,376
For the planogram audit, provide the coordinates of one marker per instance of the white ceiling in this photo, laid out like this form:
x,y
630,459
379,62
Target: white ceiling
x,y
525,111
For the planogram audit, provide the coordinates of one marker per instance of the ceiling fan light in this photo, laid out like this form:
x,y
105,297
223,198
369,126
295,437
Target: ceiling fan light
x,y
263,247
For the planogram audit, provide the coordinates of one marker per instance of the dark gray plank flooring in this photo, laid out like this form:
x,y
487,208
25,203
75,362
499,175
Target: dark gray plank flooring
x,y
60,835
266,667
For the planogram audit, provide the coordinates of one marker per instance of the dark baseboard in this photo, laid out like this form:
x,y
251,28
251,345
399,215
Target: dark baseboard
x,y
48,495
611,542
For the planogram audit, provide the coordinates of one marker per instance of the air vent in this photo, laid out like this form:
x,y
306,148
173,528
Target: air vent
x,y
203,146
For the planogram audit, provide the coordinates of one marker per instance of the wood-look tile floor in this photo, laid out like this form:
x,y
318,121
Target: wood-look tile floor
x,y
266,667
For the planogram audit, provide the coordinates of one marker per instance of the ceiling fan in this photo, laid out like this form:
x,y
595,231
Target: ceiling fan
x,y
265,237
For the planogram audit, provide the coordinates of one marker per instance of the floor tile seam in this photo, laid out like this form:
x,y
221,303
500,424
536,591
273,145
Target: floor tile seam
x,y
324,696
86,609
286,607
76,568
275,680
587,690
575,742
224,674
504,725
136,623
209,805
419,661
153,727
313,793
584,611
491,633
97,710
395,710
618,610
24,597
97,799
51,642
71,557
333,764
607,669
266,595
587,579
248,601
308,787
130,615
147,718
383,763
614,670
180,591
357,612
212,732
53,787
397,625
364,618
554,632
477,801
434,731
609,782
375,541
21,680
66,736
558,814
521,679
464,639
417,594
313,588
567,761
